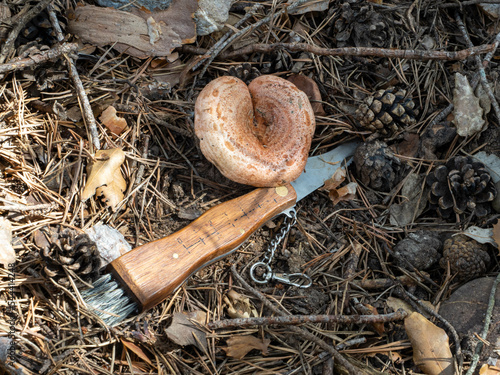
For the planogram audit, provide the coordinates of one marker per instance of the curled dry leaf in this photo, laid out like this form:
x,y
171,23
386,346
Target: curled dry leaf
x,y
106,178
115,124
7,253
238,306
184,329
344,193
431,348
239,346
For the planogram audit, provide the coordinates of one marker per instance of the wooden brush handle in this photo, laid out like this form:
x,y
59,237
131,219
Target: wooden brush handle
x,y
154,270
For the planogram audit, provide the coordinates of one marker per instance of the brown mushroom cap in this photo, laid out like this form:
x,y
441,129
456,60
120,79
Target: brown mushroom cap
x,y
258,135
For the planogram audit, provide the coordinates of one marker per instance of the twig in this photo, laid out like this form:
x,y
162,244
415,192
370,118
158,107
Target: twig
x,y
252,27
20,207
300,319
9,44
487,322
212,50
351,51
480,67
300,331
80,90
43,56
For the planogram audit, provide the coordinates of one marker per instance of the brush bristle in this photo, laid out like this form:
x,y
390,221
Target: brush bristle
x,y
109,301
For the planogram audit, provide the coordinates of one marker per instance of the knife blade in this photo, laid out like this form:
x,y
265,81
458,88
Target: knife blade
x,y
147,275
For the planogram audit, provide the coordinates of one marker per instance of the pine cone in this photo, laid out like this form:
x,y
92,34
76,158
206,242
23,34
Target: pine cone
x,y
77,253
363,25
246,72
387,112
467,257
377,166
462,185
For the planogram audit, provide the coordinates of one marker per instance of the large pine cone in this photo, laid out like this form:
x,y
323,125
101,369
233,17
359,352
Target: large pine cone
x,y
387,112
377,166
76,252
467,257
462,185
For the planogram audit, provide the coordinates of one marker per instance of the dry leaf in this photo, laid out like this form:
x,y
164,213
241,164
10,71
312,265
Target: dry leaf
x,y
7,253
487,369
415,201
239,346
106,177
136,350
311,89
431,348
481,235
396,304
183,330
115,124
379,327
139,33
239,306
344,193
496,234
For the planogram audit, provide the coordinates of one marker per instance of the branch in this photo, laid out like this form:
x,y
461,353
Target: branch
x,y
360,51
300,319
43,56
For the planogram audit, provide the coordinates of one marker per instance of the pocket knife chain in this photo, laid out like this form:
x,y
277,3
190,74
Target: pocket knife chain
x,y
295,279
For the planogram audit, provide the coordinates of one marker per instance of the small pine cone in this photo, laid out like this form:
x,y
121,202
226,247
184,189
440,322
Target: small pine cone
x,y
462,185
377,166
364,26
467,257
77,253
387,112
245,72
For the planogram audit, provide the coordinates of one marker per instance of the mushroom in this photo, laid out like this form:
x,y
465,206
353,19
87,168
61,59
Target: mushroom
x,y
258,135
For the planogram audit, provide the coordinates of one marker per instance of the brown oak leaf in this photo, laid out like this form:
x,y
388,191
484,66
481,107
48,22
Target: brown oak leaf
x,y
239,346
105,177
185,329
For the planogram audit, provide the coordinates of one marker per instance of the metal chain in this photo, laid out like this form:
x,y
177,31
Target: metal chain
x,y
288,223
295,279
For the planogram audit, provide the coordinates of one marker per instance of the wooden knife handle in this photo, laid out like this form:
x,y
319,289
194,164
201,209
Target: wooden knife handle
x,y
154,270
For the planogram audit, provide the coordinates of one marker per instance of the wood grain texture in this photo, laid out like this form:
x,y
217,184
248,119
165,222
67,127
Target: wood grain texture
x,y
152,271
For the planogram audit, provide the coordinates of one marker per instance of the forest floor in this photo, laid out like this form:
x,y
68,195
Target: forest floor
x,y
367,256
